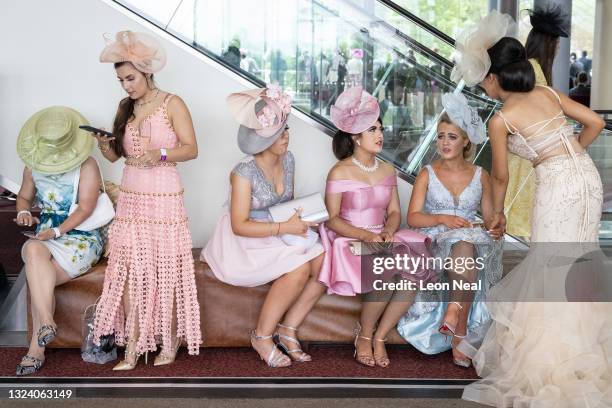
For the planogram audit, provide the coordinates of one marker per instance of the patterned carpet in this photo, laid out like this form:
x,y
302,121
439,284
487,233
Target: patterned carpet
x,y
328,361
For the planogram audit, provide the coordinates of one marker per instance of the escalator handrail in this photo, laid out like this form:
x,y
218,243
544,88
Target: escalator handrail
x,y
420,22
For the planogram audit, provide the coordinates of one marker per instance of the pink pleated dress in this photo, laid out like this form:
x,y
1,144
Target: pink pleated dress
x,y
150,249
365,206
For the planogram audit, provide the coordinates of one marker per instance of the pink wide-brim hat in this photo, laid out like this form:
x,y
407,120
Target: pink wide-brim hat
x,y
262,114
142,50
355,111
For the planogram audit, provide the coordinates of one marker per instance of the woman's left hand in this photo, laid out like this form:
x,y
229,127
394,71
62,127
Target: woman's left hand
x,y
386,236
46,235
150,157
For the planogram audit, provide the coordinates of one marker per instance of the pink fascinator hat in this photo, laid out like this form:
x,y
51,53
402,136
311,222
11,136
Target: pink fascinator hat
x,y
355,111
142,50
262,114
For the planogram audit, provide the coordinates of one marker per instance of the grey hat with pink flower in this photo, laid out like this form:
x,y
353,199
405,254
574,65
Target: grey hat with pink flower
x,y
262,114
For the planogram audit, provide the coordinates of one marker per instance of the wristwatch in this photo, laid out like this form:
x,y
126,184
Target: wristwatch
x,y
164,154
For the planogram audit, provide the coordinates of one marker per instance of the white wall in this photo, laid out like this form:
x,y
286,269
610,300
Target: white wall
x,y
50,57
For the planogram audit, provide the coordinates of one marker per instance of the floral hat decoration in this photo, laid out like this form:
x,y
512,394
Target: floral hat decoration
x,y
465,116
262,114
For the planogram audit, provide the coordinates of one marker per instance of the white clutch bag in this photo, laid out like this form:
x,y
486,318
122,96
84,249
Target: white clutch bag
x,y
102,214
313,209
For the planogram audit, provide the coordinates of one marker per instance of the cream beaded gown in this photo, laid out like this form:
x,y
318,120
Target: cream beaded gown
x,y
549,353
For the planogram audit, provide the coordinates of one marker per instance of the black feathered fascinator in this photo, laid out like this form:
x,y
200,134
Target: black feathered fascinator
x,y
550,19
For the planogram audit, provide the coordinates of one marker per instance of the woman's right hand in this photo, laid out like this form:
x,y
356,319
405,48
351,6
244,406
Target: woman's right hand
x,y
26,219
454,222
102,140
370,236
295,225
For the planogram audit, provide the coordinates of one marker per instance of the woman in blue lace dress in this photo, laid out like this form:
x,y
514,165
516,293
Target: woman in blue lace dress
x,y
445,199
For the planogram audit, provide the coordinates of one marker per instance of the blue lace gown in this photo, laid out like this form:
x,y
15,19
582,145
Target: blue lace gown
x,y
419,326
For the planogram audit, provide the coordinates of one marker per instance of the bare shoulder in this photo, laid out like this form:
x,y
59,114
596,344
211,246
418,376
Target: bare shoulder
x,y
340,170
176,104
387,168
89,164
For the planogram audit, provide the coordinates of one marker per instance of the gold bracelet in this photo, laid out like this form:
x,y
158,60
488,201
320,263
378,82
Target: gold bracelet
x,y
104,149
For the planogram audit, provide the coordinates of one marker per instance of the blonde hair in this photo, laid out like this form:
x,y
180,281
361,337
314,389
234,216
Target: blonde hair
x,y
469,151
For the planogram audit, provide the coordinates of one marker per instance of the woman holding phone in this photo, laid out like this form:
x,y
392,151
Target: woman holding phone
x,y
56,155
149,287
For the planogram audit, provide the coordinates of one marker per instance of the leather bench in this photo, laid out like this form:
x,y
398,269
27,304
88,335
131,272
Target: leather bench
x,y
228,313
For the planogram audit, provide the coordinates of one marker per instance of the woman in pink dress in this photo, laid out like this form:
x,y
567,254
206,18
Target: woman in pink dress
x,y
247,248
149,290
363,205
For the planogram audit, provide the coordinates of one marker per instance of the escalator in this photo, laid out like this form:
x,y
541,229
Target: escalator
x,y
316,48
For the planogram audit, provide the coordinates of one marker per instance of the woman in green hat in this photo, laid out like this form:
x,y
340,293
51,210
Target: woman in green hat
x,y
56,154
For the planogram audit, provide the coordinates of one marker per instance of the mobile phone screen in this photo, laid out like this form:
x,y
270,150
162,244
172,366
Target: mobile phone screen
x,y
29,234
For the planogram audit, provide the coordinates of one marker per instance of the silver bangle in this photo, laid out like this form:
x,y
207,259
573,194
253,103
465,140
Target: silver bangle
x,y
24,212
57,231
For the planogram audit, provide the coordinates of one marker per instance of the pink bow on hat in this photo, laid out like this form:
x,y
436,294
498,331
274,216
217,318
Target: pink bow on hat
x,y
264,110
142,50
355,111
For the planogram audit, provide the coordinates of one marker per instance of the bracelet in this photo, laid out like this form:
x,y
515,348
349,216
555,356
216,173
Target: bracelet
x,y
278,230
57,231
24,212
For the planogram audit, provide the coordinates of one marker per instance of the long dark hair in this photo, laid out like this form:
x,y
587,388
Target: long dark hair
x,y
548,22
542,47
124,112
343,144
509,62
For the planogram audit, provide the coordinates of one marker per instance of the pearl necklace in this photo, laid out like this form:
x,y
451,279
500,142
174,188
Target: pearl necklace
x,y
367,169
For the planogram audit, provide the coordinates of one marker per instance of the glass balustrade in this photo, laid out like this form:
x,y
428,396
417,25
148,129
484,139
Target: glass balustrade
x,y
316,49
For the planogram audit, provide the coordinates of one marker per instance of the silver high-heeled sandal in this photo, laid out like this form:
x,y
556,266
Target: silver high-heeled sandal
x,y
466,363
276,358
302,357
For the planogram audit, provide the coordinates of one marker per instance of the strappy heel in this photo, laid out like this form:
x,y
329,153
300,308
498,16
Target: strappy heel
x,y
164,358
466,363
127,365
276,358
447,329
45,335
302,357
362,358
382,361
28,369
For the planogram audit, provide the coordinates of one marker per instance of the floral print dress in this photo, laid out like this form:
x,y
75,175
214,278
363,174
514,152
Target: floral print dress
x,y
76,251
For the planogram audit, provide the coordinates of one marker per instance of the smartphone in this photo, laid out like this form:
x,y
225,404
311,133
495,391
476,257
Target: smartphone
x,y
29,234
478,224
96,130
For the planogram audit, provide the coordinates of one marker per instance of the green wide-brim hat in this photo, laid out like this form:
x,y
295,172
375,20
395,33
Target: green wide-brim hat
x,y
51,142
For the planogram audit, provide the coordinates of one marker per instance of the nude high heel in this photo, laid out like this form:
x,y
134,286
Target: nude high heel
x,y
127,365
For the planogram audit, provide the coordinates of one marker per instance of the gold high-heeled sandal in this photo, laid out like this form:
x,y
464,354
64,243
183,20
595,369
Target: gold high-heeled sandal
x,y
303,357
163,358
382,361
126,365
362,358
